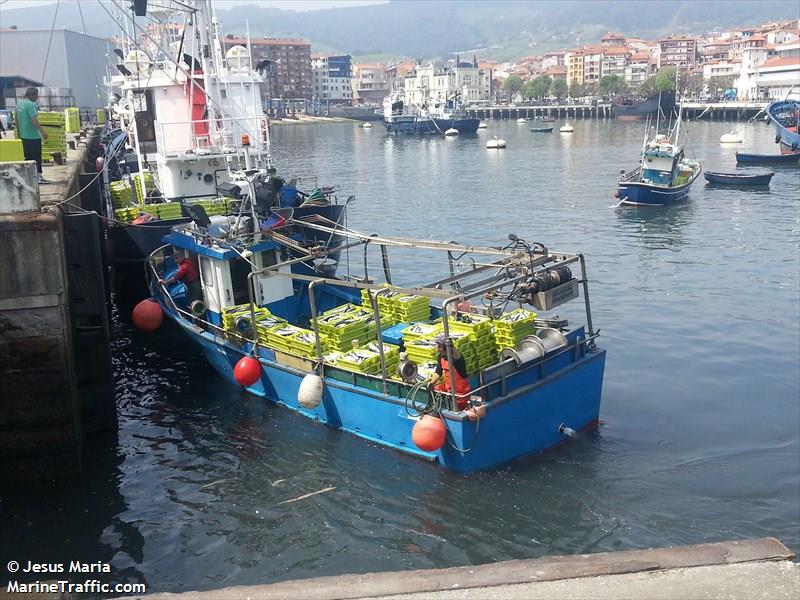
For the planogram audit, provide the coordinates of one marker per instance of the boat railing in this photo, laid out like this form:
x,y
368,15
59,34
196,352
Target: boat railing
x,y
631,175
212,136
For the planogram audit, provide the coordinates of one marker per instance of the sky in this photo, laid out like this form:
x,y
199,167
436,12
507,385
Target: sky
x,y
297,5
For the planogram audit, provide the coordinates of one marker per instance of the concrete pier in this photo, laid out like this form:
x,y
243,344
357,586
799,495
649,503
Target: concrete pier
x,y
717,111
737,570
55,370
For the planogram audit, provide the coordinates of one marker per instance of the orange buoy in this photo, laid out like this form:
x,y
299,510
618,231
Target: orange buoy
x,y
247,371
429,433
99,164
148,315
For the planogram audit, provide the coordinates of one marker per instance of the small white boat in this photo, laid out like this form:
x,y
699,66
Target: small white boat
x,y
566,128
731,138
451,132
366,125
481,125
496,144
522,120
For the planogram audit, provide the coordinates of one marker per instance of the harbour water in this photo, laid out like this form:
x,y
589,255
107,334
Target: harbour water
x,y
697,305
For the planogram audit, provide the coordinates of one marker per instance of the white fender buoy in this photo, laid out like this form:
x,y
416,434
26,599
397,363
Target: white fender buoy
x,y
451,132
310,393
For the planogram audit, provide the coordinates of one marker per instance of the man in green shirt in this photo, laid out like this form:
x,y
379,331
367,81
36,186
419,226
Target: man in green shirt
x,y
30,131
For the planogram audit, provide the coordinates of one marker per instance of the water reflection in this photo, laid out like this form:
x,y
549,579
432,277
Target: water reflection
x,y
655,227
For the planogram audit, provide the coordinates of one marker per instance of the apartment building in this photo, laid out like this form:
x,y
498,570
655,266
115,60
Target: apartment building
x,y
575,66
332,79
288,73
677,51
614,61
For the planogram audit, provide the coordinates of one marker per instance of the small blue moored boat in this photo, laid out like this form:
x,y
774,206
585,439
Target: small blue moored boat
x,y
740,179
768,159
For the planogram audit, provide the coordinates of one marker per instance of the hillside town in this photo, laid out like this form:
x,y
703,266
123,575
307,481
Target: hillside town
x,y
754,64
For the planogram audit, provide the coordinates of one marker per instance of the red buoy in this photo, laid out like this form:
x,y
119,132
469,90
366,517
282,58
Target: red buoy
x,y
429,433
99,164
247,371
147,315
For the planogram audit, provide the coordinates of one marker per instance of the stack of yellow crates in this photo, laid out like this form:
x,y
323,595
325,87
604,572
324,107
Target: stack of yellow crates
x,y
149,183
342,325
54,123
231,314
511,328
101,116
72,117
397,307
480,330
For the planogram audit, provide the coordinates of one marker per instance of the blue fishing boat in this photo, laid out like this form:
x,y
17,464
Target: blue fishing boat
x,y
356,353
772,159
664,175
785,116
739,179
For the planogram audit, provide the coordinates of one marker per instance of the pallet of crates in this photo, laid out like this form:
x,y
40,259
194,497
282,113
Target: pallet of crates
x,y
54,124
72,117
11,151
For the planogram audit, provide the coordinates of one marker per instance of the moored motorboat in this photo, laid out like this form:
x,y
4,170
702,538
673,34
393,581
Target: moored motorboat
x,y
664,174
741,179
771,159
482,125
566,128
541,129
496,143
522,120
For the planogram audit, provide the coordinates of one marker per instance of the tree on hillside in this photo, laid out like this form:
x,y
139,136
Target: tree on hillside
x,y
559,88
513,84
612,85
539,87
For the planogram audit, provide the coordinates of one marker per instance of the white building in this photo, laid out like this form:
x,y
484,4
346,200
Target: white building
x,y
776,77
440,82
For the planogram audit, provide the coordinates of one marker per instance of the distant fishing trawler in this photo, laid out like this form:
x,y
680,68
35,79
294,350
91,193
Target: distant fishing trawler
x,y
434,118
635,109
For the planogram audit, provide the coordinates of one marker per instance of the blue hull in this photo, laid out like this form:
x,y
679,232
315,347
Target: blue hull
x,y
772,159
785,116
737,179
645,194
525,420
423,126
